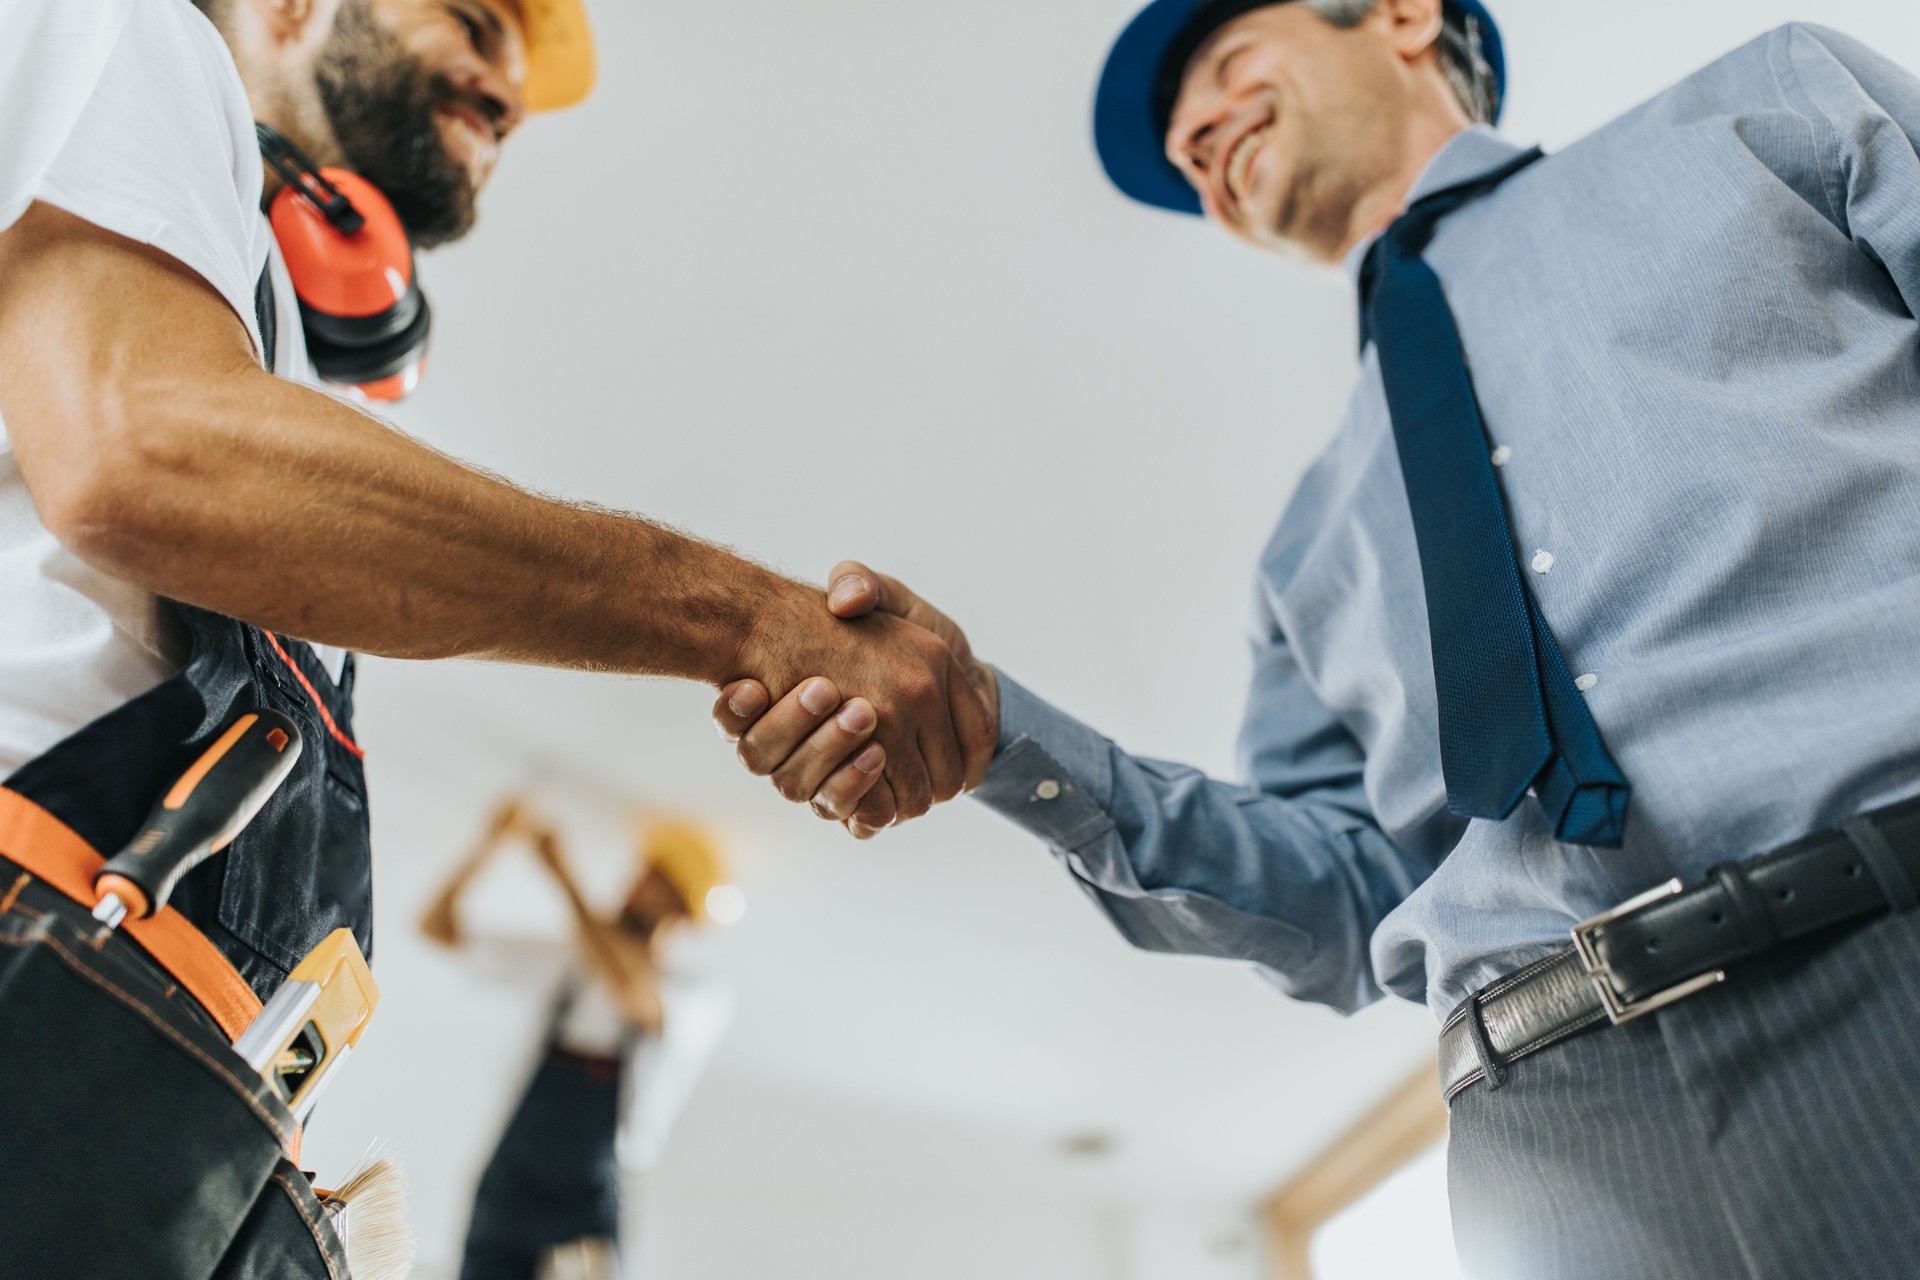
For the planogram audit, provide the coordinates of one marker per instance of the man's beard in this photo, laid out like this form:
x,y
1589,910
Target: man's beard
x,y
381,104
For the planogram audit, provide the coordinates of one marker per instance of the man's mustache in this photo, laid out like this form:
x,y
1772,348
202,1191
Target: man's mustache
x,y
446,94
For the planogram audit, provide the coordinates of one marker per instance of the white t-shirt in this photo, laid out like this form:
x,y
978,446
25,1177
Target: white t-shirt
x,y
131,115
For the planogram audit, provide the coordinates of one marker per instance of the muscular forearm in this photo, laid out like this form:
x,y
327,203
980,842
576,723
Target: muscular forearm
x,y
264,500
158,451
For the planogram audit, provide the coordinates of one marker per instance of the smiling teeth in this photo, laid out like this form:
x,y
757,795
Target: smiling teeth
x,y
1240,163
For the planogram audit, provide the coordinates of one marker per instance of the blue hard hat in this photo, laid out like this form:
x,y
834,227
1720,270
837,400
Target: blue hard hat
x,y
1128,125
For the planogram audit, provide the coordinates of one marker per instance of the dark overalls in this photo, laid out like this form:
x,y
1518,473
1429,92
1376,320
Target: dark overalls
x,y
136,1141
554,1178
299,870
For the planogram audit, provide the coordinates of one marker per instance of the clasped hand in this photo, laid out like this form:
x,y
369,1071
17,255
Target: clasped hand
x,y
826,747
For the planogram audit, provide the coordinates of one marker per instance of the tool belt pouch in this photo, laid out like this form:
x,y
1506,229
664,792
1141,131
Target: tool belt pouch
x,y
133,1140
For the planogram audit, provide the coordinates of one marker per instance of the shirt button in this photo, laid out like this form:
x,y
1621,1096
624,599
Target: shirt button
x,y
1047,790
1585,682
1502,454
1543,562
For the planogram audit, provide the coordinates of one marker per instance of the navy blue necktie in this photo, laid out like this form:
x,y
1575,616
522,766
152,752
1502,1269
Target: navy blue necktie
x,y
1510,716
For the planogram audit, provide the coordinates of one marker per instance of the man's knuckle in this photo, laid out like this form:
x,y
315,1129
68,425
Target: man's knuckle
x,y
917,689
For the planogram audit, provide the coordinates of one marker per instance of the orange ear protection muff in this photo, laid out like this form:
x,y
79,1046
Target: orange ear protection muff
x,y
366,320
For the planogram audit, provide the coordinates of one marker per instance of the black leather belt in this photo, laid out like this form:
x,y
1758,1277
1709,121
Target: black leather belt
x,y
1672,941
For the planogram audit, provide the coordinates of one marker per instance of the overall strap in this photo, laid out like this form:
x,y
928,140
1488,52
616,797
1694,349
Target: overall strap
x,y
266,313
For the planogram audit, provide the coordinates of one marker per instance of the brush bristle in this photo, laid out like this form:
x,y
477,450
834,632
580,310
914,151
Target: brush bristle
x,y
370,1216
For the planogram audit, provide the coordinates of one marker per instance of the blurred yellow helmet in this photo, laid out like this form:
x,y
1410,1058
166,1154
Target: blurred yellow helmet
x,y
692,863
560,58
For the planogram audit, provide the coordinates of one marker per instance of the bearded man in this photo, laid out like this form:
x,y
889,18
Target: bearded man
x,y
187,526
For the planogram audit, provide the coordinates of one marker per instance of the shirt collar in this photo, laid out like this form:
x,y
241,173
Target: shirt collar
x,y
1465,156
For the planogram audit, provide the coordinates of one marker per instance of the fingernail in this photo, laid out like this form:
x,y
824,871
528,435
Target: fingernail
x,y
817,697
746,701
856,717
844,590
870,759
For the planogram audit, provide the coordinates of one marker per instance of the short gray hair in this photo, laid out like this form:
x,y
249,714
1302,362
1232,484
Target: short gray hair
x,y
1461,59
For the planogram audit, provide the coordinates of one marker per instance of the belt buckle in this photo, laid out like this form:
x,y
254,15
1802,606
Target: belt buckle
x,y
1621,1010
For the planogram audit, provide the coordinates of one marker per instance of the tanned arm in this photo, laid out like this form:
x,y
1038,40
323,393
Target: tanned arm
x,y
158,450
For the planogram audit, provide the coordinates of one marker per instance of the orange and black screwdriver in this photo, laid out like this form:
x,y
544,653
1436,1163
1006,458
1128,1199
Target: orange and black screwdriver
x,y
199,815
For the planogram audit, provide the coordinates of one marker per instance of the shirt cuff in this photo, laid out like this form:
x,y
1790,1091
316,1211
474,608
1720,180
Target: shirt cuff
x,y
1051,775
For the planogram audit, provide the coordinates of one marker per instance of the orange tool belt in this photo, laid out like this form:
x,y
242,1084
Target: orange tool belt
x,y
49,850
136,1141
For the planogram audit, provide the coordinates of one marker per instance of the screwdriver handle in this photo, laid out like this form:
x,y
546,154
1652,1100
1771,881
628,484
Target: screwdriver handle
x,y
200,815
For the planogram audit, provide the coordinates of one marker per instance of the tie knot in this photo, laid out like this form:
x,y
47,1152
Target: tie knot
x,y
1409,234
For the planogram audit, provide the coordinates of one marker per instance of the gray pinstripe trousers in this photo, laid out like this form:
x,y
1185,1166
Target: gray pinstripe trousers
x,y
1766,1128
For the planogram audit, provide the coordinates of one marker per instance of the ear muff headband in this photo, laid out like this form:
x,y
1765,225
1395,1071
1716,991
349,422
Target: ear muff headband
x,y
365,319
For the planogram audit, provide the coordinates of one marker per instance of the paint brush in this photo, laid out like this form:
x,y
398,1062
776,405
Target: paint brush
x,y
369,1214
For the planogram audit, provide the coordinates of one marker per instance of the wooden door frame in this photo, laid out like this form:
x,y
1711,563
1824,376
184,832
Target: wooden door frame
x,y
1406,1122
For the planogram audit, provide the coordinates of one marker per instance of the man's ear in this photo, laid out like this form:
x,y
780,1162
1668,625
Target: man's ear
x,y
1413,25
286,23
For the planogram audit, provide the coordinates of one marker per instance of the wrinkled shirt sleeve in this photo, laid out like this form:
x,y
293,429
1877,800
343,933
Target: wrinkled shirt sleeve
x,y
1865,113
1288,872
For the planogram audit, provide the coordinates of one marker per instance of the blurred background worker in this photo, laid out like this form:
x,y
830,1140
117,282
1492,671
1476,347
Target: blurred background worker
x,y
627,1035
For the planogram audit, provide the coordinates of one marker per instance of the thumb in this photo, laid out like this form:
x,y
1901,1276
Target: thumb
x,y
857,591
853,590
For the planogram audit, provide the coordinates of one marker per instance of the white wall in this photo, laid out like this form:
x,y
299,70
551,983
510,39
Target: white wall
x,y
772,1180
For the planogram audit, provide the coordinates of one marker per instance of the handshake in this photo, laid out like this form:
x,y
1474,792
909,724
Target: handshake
x,y
882,710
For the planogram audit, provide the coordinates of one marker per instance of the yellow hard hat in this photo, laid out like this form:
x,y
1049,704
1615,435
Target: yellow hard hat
x,y
560,61
691,862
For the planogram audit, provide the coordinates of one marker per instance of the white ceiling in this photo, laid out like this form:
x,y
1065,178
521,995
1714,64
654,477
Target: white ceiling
x,y
821,278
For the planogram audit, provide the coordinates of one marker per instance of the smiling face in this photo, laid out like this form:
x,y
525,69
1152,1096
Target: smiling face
x,y
419,95
1303,136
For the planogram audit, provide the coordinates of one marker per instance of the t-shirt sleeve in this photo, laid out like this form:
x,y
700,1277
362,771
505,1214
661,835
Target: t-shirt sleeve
x,y
131,115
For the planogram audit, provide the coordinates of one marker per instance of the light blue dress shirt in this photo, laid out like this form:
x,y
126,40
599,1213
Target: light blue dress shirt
x,y
1693,337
